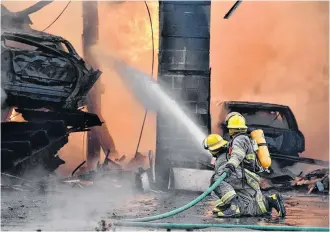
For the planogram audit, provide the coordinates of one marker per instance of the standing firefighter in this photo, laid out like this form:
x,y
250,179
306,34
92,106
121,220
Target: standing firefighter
x,y
239,194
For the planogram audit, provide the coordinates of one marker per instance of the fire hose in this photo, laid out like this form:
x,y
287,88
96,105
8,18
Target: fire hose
x,y
203,226
144,222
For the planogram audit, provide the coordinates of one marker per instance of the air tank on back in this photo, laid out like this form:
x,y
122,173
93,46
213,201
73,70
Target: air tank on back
x,y
262,152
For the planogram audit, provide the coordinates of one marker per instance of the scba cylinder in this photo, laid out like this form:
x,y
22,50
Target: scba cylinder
x,y
262,152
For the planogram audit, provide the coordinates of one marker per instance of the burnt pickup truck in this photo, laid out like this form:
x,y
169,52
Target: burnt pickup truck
x,y
277,121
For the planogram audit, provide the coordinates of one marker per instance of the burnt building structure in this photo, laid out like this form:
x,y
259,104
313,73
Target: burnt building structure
x,y
184,70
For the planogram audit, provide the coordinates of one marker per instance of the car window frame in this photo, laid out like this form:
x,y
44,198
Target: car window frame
x,y
286,111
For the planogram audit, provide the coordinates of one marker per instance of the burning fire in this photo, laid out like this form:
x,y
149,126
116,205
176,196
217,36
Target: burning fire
x,y
14,116
268,51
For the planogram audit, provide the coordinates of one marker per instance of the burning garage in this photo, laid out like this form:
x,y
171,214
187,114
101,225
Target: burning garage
x,y
248,160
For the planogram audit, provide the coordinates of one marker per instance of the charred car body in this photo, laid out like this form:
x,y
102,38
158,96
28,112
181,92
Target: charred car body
x,y
277,121
47,81
41,69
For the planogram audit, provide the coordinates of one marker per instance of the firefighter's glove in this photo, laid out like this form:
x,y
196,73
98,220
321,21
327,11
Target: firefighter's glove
x,y
229,169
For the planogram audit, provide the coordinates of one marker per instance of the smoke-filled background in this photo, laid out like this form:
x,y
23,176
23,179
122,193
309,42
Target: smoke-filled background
x,y
276,52
267,51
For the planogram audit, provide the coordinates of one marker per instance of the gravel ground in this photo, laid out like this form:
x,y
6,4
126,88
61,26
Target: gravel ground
x,y
76,209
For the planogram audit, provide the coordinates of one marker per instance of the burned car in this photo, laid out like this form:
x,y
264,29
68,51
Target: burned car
x,y
39,69
277,121
46,80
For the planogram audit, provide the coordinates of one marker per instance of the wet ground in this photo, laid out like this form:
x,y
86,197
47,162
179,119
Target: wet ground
x,y
67,208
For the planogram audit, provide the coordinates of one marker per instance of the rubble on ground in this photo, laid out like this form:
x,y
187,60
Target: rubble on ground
x,y
143,177
315,181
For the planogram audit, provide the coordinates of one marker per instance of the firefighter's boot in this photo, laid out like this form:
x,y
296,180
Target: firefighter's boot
x,y
217,209
219,206
232,211
275,201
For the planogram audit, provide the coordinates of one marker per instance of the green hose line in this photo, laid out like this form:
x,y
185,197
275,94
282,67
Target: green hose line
x,y
144,222
183,208
203,226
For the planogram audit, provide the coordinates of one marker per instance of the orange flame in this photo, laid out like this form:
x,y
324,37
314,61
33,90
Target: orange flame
x,y
267,51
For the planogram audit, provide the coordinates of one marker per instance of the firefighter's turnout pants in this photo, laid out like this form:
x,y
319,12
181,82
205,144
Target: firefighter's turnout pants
x,y
251,200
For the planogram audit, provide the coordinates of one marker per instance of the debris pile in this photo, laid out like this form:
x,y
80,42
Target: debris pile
x,y
315,181
135,170
29,146
112,172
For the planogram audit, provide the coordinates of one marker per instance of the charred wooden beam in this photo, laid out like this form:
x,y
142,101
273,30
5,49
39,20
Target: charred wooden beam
x,y
74,119
90,37
97,137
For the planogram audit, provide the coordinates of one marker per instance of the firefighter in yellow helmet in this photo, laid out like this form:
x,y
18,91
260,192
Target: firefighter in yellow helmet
x,y
239,194
230,115
215,143
218,147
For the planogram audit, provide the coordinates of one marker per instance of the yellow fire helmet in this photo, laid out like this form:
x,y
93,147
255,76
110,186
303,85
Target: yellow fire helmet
x,y
213,142
231,114
236,122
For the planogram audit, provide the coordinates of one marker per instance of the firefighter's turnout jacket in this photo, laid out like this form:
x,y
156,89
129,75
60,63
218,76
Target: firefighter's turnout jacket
x,y
251,200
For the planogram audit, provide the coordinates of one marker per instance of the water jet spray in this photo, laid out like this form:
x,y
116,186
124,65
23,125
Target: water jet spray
x,y
156,99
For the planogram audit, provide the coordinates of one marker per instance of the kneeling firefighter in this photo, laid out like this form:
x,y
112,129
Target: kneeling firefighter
x,y
239,194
